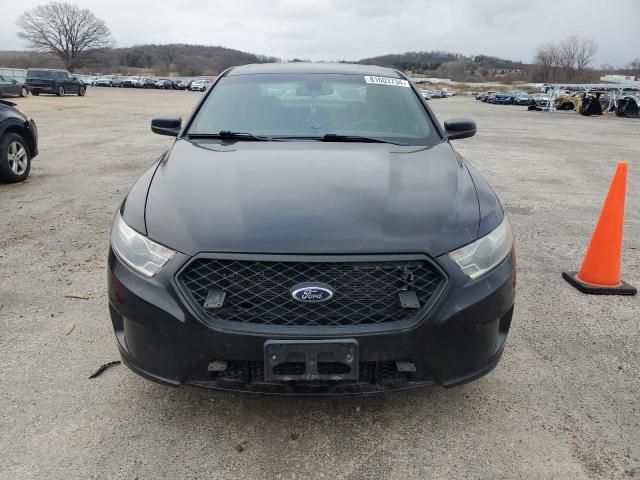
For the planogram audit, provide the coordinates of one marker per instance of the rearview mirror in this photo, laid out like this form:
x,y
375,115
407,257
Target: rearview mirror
x,y
457,128
166,126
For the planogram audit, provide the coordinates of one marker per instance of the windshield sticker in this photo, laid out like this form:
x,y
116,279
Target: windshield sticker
x,y
396,82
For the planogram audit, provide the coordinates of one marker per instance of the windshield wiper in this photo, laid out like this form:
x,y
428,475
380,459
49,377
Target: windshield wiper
x,y
329,137
232,135
334,137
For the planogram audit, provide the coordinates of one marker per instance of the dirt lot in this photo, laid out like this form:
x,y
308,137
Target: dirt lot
x,y
563,403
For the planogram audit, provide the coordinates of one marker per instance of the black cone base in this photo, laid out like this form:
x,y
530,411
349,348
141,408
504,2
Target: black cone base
x,y
622,289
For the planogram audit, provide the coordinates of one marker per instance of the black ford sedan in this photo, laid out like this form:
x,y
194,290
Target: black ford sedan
x,y
311,231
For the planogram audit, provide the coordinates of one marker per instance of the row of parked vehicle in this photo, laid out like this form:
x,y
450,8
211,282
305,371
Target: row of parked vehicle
x,y
196,85
513,98
593,102
61,82
428,94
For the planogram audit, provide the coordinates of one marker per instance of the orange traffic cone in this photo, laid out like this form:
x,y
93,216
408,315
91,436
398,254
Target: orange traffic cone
x,y
600,270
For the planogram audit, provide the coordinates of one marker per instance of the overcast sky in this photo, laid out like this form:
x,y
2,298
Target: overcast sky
x,y
355,29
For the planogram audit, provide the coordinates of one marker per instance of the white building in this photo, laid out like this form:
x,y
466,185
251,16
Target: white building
x,y
618,78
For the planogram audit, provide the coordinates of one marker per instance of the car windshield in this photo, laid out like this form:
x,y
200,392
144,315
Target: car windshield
x,y
314,105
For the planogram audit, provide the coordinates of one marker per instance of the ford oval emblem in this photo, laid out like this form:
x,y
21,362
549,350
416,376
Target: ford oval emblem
x,y
312,292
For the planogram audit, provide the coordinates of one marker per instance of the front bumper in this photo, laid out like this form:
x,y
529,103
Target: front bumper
x,y
459,340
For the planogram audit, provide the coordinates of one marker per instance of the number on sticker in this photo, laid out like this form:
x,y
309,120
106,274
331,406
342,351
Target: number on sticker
x,y
396,82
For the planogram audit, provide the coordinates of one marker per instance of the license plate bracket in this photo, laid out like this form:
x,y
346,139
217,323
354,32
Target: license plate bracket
x,y
311,360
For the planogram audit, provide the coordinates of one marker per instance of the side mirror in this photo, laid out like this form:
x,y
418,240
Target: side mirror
x,y
457,128
166,126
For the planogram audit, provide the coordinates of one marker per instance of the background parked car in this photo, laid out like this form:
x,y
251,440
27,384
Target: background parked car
x,y
182,85
485,96
164,84
18,143
521,98
146,82
130,82
540,99
109,81
425,94
198,86
104,82
57,82
10,87
502,98
491,97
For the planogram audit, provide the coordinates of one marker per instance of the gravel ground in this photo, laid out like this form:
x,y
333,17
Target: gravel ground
x,y
563,403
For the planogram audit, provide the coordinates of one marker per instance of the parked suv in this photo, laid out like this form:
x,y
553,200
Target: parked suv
x,y
198,86
311,230
57,82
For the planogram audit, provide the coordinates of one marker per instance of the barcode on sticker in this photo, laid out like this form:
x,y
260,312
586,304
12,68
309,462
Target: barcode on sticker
x,y
396,82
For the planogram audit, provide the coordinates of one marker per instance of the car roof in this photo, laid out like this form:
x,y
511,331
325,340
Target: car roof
x,y
309,67
48,69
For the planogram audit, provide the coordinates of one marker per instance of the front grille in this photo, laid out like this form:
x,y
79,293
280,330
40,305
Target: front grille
x,y
258,292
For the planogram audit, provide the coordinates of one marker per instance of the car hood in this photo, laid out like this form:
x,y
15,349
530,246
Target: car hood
x,y
311,197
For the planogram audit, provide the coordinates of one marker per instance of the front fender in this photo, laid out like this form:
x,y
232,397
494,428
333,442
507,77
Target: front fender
x,y
133,207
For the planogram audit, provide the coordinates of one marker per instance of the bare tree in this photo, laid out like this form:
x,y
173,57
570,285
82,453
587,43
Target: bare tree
x,y
566,60
548,59
69,32
587,48
569,49
633,67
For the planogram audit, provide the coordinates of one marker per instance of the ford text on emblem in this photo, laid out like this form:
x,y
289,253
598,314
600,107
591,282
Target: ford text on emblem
x,y
312,292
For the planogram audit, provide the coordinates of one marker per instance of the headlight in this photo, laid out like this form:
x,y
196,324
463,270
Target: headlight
x,y
136,250
484,254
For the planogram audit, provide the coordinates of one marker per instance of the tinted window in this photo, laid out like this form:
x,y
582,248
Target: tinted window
x,y
39,74
314,105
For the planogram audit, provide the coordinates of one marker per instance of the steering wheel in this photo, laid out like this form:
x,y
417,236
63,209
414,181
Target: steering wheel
x,y
371,122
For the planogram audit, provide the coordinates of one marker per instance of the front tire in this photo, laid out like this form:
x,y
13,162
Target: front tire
x,y
15,159
60,92
81,92
24,92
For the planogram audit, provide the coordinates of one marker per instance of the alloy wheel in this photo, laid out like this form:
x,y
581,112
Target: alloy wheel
x,y
18,158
